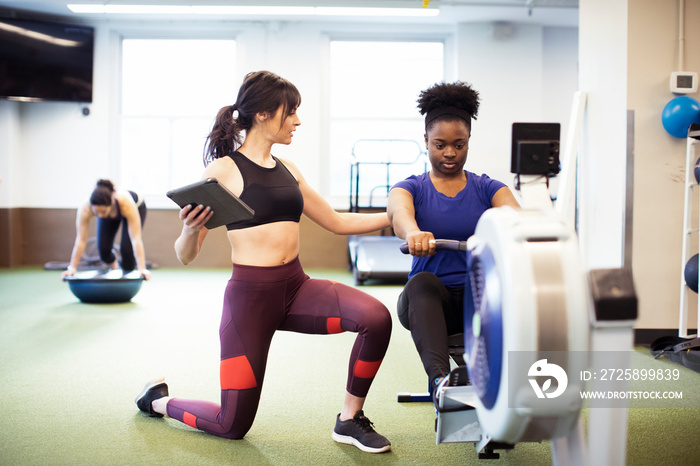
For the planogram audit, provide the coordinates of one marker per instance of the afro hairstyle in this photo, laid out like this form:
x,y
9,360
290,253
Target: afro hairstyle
x,y
458,94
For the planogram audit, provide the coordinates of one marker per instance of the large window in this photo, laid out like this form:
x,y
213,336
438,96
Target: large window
x,y
171,93
374,119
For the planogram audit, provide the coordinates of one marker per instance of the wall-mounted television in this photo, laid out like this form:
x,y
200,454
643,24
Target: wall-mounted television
x,y
45,60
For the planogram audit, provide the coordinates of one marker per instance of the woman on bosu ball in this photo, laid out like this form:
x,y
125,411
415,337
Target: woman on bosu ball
x,y
444,203
112,208
268,290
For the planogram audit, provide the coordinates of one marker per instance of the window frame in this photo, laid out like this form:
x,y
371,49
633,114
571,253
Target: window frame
x,y
447,38
117,37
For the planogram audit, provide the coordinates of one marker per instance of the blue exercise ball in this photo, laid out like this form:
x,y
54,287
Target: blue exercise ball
x,y
691,273
679,114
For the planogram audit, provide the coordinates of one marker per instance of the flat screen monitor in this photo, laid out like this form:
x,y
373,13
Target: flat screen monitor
x,y
45,60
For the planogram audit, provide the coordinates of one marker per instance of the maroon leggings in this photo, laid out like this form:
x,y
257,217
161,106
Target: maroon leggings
x,y
261,300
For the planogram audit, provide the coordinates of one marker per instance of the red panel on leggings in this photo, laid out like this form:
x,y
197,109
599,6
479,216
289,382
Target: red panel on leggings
x,y
333,325
189,419
237,374
366,369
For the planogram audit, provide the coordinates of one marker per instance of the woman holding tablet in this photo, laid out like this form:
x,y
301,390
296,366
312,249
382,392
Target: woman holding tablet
x,y
268,290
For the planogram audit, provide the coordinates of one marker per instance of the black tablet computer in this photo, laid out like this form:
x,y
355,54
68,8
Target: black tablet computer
x,y
227,206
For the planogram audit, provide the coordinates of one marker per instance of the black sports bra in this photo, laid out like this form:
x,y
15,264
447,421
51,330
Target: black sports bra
x,y
273,193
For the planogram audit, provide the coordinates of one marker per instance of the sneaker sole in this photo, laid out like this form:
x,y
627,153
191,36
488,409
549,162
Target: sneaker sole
x,y
346,439
147,387
145,390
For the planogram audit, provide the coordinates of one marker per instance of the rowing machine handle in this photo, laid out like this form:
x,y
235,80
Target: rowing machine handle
x,y
443,244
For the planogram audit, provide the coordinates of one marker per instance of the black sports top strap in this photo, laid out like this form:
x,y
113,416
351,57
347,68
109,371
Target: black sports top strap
x,y
273,193
136,199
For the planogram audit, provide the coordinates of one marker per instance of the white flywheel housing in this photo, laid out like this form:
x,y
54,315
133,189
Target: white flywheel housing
x,y
531,298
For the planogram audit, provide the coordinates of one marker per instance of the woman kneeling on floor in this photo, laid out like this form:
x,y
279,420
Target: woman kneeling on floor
x,y
268,290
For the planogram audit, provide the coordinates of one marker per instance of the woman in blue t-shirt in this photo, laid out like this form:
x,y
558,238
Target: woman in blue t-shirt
x,y
444,203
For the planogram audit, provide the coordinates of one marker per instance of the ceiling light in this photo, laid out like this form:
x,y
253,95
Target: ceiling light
x,y
247,10
252,10
356,11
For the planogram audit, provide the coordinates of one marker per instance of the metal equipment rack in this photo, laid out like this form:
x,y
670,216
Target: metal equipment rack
x,y
690,183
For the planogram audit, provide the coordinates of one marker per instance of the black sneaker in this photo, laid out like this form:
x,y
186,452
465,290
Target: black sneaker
x,y
152,391
359,431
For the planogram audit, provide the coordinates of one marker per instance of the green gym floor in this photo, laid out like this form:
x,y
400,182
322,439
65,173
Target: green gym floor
x,y
69,373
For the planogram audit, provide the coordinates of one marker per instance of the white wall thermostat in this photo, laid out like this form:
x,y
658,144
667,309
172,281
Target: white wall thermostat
x,y
684,82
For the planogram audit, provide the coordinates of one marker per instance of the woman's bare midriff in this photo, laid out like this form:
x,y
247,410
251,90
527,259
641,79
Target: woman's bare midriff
x,y
265,245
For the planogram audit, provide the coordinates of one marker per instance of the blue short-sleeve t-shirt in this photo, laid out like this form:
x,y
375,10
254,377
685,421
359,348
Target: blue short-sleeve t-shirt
x,y
448,218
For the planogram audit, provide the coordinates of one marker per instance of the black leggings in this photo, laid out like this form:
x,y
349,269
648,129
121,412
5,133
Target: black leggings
x,y
106,232
432,312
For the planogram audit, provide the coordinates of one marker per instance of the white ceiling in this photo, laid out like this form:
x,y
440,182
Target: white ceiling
x,y
545,12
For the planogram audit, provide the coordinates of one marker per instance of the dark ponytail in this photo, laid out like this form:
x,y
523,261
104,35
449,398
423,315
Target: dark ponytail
x,y
261,91
102,194
225,135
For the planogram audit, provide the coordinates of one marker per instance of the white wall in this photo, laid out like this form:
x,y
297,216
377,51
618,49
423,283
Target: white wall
x,y
560,67
659,163
9,137
523,73
62,152
603,76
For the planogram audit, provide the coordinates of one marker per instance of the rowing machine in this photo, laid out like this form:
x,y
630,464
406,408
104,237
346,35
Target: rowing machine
x,y
535,312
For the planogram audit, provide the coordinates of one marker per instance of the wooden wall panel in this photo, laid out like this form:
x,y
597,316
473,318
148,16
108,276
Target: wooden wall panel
x,y
36,236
